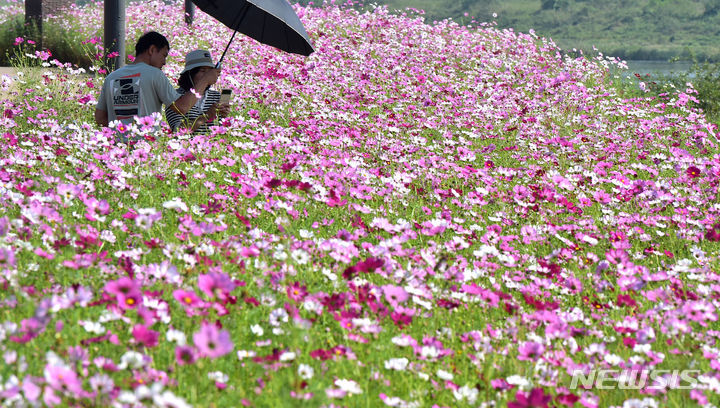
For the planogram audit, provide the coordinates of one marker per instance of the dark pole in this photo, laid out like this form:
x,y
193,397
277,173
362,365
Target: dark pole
x,y
115,32
33,18
189,12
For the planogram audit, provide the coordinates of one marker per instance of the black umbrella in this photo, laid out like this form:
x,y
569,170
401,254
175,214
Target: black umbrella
x,y
272,22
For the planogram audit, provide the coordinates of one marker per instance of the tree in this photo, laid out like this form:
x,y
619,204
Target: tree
x,y
712,8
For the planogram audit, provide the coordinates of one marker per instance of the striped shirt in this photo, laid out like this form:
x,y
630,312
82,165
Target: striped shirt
x,y
177,120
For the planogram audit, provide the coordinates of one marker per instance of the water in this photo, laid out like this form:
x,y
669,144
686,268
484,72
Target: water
x,y
657,67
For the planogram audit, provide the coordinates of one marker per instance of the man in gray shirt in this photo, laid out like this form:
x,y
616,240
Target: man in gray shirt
x,y
141,88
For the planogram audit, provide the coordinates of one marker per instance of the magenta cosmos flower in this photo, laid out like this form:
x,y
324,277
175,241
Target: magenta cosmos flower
x,y
536,398
185,355
147,337
212,342
297,292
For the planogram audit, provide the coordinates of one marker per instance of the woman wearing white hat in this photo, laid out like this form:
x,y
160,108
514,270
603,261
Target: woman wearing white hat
x,y
205,112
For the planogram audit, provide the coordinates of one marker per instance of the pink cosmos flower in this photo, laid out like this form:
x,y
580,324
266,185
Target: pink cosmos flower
x,y
602,197
127,292
7,258
699,397
248,191
216,285
50,398
63,379
212,342
395,295
617,256
4,226
700,312
30,328
500,384
187,298
31,389
530,351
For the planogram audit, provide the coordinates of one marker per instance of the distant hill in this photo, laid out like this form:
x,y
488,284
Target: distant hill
x,y
630,29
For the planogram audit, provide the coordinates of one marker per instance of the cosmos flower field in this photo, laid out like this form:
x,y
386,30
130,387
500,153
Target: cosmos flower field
x,y
416,215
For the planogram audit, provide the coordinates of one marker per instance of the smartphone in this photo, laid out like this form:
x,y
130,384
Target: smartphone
x,y
225,96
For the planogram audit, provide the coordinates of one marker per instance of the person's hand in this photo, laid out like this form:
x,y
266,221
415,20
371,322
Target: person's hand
x,y
211,114
223,110
207,78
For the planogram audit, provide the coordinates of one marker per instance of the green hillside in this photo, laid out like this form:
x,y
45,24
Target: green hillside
x,y
631,29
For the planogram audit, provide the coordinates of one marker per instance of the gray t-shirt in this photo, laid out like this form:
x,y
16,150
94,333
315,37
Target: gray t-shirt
x,y
135,90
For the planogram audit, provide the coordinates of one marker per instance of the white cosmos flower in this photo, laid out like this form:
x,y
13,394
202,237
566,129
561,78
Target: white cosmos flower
x,y
444,375
466,392
300,257
131,359
277,317
429,352
349,386
312,306
177,336
612,359
328,274
257,330
636,403
305,371
517,380
175,204
243,354
218,376
92,327
169,400
397,364
144,392
402,341
280,255
287,356
108,236
127,397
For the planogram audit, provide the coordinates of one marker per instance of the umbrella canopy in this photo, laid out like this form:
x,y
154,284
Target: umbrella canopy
x,y
272,22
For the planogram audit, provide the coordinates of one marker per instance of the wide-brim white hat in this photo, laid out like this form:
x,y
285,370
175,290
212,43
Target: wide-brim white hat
x,y
197,58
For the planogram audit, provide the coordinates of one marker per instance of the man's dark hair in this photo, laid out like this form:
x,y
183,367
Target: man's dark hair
x,y
185,80
149,39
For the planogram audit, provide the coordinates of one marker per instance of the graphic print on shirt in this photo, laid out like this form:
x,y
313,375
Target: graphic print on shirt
x,y
126,96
